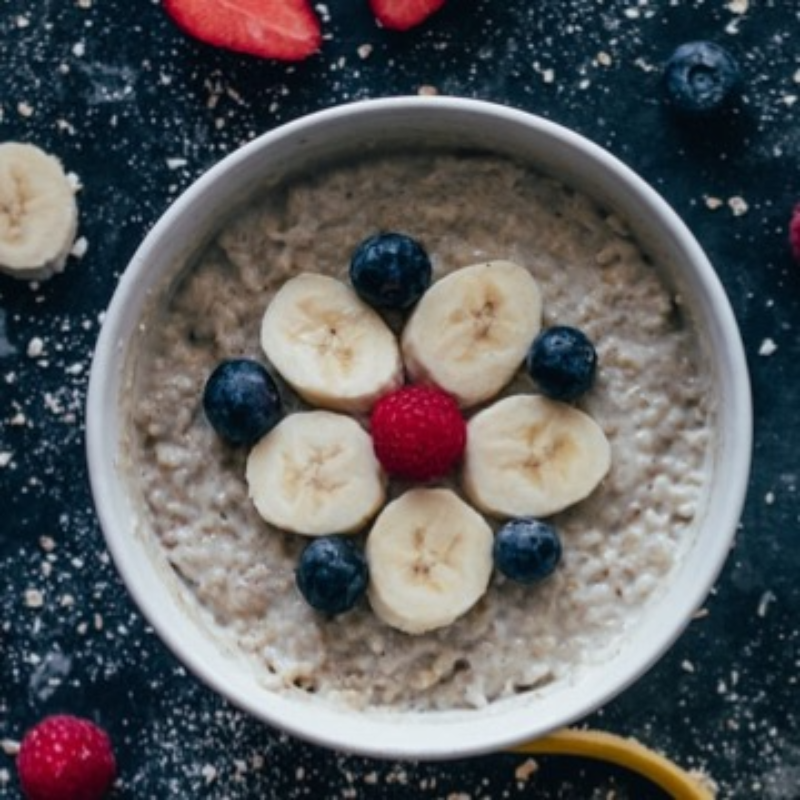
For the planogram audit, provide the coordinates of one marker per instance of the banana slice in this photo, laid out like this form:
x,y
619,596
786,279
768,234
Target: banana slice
x,y
329,345
529,455
315,473
38,212
472,329
430,560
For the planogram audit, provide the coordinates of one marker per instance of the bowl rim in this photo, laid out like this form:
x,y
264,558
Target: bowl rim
x,y
429,736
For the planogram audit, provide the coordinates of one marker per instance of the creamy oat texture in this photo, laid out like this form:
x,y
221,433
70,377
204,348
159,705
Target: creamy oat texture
x,y
651,398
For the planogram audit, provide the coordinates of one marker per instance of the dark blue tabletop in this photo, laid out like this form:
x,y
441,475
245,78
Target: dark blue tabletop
x,y
137,111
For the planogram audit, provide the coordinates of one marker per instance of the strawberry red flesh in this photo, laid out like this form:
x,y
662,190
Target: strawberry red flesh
x,y
286,30
400,15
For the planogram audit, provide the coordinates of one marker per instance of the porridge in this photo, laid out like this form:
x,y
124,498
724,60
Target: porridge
x,y
651,399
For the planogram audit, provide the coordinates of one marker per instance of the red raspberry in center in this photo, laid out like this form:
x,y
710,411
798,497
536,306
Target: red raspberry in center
x,y
418,432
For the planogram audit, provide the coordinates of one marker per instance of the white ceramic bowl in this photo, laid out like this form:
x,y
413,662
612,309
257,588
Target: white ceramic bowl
x,y
192,220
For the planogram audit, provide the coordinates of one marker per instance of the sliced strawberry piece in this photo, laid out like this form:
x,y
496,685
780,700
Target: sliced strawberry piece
x,y
400,15
287,30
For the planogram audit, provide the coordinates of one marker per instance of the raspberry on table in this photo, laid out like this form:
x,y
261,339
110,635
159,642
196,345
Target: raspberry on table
x,y
64,757
418,432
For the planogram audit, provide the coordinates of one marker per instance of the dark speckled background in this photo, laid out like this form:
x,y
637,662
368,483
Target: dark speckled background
x,y
137,111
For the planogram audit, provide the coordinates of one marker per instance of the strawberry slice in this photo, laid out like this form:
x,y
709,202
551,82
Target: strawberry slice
x,y
287,30
400,15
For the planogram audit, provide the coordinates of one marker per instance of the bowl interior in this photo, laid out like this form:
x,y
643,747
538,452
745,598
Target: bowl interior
x,y
325,136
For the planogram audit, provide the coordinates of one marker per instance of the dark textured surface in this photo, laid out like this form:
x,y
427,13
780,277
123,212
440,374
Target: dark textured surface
x,y
137,111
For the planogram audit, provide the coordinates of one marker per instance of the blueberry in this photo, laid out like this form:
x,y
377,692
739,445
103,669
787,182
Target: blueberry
x,y
390,270
527,550
563,362
332,574
241,401
701,78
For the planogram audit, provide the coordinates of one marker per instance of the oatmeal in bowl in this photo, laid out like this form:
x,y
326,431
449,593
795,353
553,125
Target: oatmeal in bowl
x,y
419,427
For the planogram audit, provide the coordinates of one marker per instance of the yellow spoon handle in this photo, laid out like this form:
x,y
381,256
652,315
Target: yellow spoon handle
x,y
627,753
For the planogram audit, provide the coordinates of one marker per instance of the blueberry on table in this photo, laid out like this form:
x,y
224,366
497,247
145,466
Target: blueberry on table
x,y
332,574
701,78
527,550
563,362
390,270
241,401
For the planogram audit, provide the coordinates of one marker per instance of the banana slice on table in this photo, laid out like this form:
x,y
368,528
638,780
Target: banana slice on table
x,y
529,455
472,329
430,560
315,473
329,345
38,212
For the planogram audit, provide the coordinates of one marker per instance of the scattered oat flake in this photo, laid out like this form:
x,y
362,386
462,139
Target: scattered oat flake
x,y
525,770
738,205
209,773
34,598
548,75
364,51
687,666
764,603
739,6
9,746
604,59
713,202
24,109
768,347
645,66
74,181
64,125
35,347
176,163
5,459
80,247
426,90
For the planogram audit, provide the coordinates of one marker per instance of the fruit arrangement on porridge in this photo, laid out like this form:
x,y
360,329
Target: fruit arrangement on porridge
x,y
382,467
429,555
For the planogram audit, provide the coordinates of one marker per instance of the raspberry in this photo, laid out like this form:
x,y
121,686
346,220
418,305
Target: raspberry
x,y
65,758
794,233
418,432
